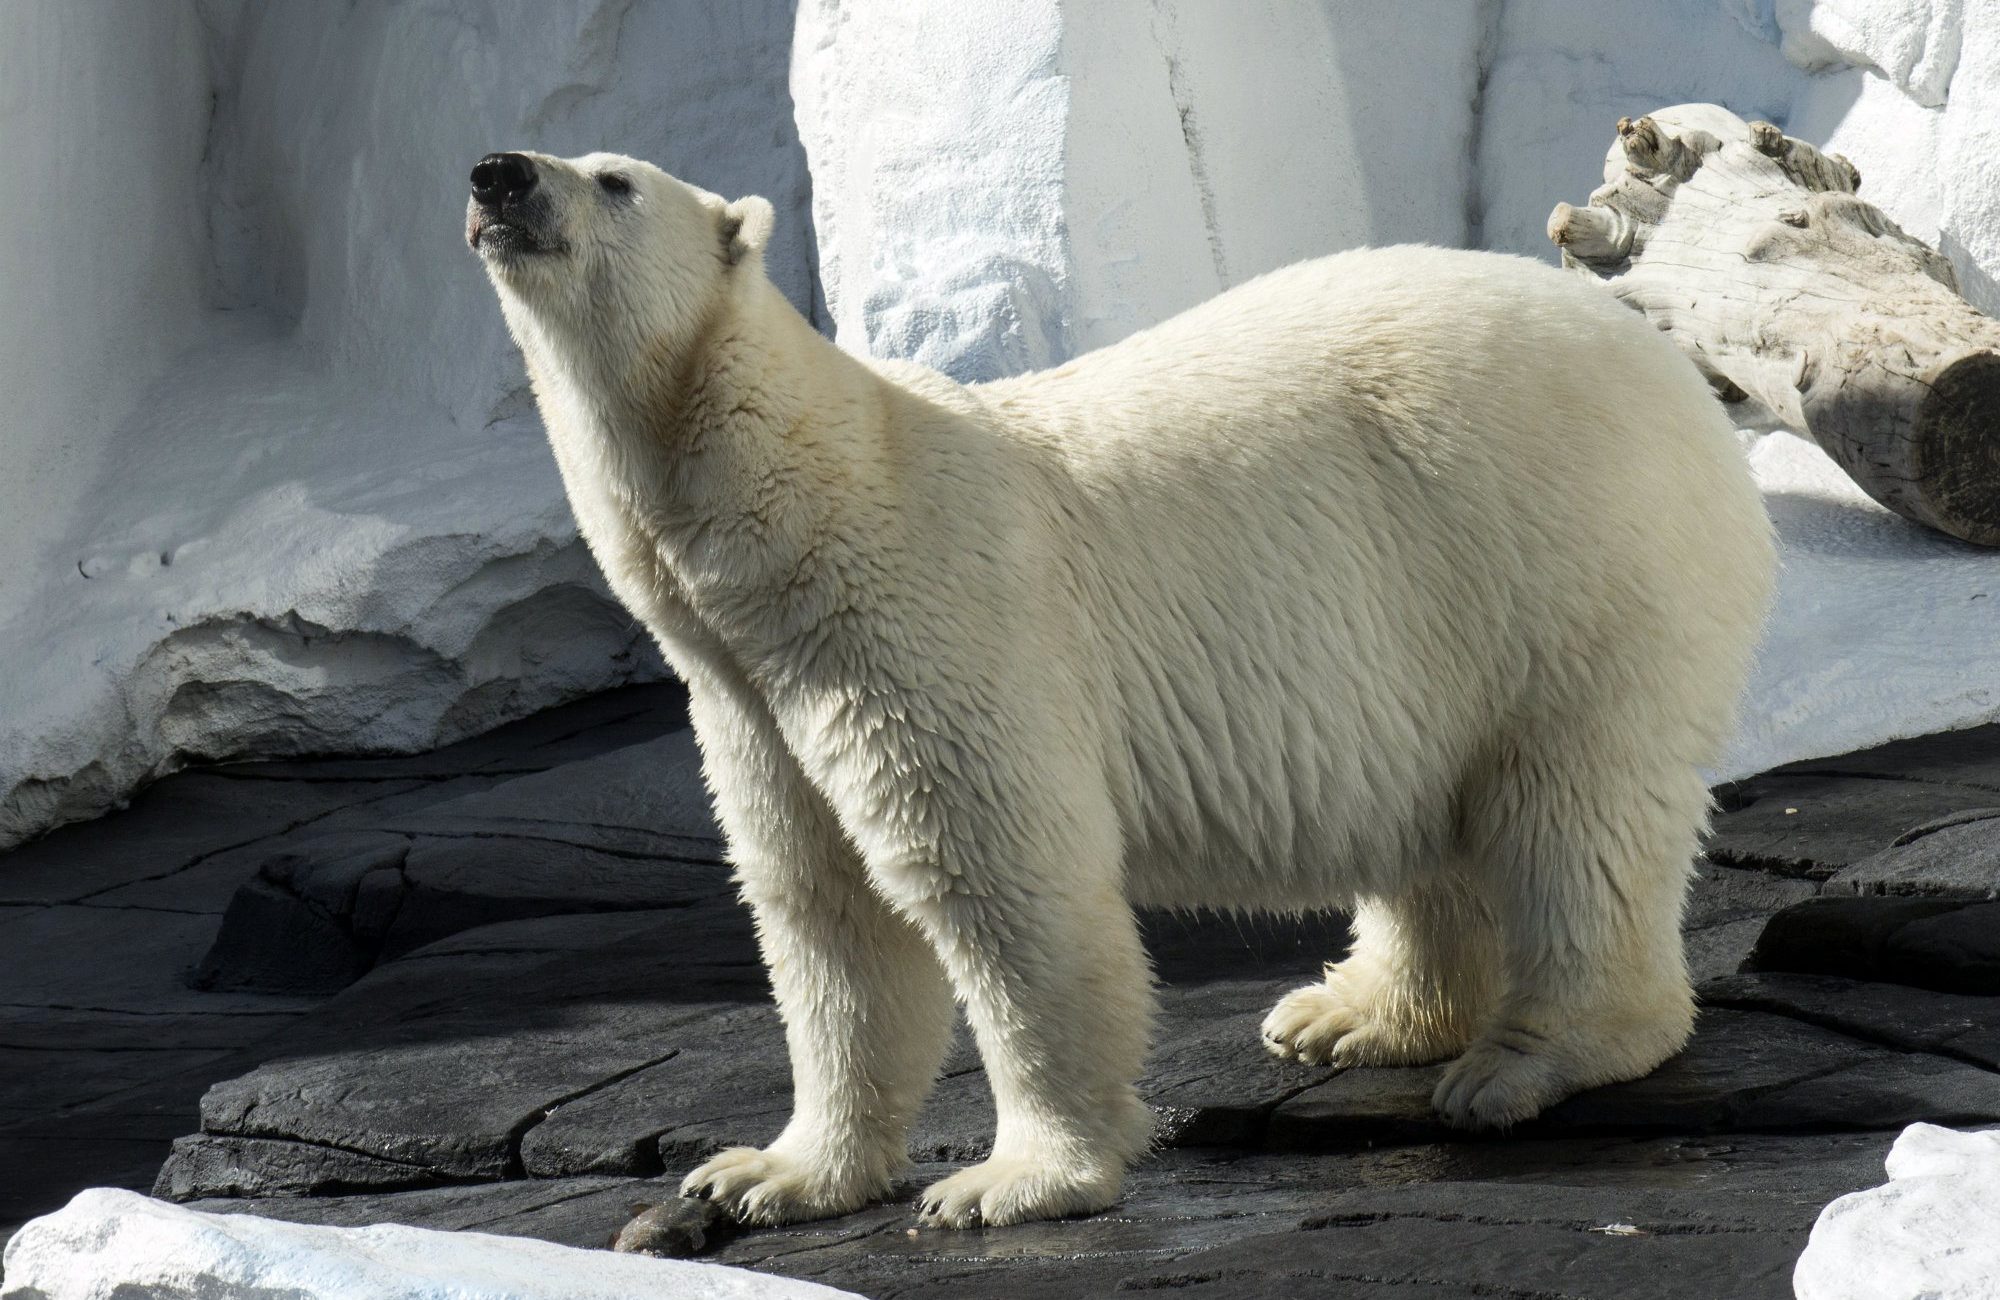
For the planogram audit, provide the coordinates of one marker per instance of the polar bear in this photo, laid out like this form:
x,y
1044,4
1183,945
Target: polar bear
x,y
1410,581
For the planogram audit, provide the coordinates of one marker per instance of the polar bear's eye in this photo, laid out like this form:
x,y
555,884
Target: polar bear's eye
x,y
613,183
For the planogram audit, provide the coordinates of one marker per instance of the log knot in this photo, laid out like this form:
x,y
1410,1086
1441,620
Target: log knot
x,y
1807,167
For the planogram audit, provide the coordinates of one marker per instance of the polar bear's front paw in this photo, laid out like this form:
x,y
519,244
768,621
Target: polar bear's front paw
x,y
1327,1024
1000,1191
770,1187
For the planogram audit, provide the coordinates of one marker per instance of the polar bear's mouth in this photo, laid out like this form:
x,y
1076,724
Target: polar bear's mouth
x,y
489,233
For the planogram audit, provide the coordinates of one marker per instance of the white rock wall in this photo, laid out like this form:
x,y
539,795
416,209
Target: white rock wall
x,y
1564,71
1096,168
279,486
103,117
276,484
999,186
1909,90
935,133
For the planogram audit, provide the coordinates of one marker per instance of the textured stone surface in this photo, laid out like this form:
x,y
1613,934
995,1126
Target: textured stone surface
x,y
443,1063
627,830
1895,1015
104,1048
1710,1217
1273,1176
1957,856
1814,818
644,1041
1742,1072
1726,911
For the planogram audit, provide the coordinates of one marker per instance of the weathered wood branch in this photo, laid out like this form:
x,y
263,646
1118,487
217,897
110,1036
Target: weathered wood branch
x,y
1752,251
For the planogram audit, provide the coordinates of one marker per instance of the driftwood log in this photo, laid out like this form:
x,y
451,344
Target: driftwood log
x,y
1751,250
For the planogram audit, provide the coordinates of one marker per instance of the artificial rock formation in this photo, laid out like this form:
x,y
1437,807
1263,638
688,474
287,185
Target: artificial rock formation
x,y
1752,250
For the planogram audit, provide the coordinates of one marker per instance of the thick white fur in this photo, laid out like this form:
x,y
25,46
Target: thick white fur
x,y
1414,581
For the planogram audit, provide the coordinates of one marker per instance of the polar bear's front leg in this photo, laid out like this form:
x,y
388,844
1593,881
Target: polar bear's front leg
x,y
1060,1000
867,1017
1027,914
866,1007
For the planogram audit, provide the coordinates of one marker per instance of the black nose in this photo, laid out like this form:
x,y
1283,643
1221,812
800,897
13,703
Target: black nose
x,y
499,177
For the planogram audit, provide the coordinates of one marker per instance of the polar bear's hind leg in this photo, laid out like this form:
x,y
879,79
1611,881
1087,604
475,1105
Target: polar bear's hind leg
x,y
1589,871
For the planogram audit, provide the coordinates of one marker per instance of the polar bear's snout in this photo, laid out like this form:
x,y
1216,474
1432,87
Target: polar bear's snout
x,y
507,214
498,177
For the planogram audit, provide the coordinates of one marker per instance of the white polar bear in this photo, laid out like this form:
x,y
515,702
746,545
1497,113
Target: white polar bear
x,y
1413,581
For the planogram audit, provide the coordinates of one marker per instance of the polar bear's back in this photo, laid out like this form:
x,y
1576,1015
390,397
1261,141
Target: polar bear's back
x,y
1396,341
1345,526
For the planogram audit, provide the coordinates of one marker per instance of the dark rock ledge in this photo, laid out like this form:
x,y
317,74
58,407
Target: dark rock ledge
x,y
508,988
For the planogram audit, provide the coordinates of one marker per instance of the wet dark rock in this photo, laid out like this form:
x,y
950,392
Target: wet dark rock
x,y
644,800
1893,1015
1809,824
1742,1072
442,1064
1721,1216
1931,943
728,1083
628,830
643,1042
104,1047
171,829
1726,911
1462,1255
1752,1073
208,1165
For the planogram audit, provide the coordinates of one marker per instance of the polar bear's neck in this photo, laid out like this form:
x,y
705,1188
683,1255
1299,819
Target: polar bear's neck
x,y
701,476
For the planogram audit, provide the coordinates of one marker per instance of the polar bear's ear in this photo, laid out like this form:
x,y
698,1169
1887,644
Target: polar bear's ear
x,y
746,228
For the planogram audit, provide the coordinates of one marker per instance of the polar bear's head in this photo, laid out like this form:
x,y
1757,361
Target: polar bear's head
x,y
609,248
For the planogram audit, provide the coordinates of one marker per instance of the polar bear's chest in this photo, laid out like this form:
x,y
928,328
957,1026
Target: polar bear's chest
x,y
607,484
686,566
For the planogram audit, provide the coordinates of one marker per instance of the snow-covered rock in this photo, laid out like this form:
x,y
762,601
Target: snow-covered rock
x,y
1926,1234
1881,628
108,1244
1909,90
275,483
